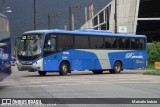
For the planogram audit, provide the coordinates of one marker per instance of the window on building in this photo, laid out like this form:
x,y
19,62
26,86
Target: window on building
x,y
96,21
101,17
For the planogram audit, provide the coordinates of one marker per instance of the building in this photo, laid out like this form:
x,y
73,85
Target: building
x,y
129,16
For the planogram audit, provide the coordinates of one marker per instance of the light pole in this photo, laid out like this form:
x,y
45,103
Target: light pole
x,y
34,21
115,16
71,16
49,19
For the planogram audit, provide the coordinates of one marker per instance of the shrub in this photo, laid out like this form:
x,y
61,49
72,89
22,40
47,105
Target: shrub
x,y
153,52
155,72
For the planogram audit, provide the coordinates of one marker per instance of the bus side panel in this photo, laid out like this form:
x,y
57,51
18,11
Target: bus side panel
x,y
5,56
82,60
140,60
130,59
76,64
79,60
50,63
93,59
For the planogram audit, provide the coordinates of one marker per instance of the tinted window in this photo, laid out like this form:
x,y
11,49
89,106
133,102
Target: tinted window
x,y
50,44
81,42
127,43
96,42
65,42
110,42
124,43
140,43
121,43
107,42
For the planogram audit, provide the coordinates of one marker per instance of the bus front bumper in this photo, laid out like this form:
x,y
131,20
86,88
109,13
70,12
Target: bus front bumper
x,y
28,67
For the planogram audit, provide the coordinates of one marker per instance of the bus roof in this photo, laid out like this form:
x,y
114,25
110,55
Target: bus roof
x,y
4,38
85,32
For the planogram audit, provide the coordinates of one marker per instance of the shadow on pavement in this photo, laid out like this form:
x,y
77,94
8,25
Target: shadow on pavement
x,y
85,73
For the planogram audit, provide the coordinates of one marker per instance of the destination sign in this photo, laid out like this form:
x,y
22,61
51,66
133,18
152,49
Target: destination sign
x,y
30,37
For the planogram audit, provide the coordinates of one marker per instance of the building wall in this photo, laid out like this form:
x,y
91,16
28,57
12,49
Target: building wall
x,y
126,16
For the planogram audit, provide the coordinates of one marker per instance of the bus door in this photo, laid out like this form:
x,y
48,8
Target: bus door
x,y
50,61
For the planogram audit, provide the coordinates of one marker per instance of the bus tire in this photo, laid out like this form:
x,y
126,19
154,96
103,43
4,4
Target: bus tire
x,y
64,68
97,71
42,73
117,68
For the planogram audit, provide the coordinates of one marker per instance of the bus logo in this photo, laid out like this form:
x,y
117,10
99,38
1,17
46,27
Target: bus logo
x,y
133,56
2,55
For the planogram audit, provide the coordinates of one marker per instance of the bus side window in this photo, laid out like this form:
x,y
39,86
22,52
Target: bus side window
x,y
133,44
65,42
141,44
121,43
107,42
114,45
107,45
127,44
49,45
96,45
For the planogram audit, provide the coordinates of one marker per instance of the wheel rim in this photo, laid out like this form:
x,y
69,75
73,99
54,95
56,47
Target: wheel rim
x,y
64,68
117,68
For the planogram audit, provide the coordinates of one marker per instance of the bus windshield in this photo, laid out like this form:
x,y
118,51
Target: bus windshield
x,y
30,45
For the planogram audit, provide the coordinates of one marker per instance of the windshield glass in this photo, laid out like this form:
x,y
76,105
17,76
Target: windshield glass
x,y
30,45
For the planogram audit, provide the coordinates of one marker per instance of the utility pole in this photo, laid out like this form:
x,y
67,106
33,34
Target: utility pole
x,y
72,22
71,16
49,21
34,22
115,16
86,16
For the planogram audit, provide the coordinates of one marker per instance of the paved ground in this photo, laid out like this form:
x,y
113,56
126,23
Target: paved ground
x,y
84,84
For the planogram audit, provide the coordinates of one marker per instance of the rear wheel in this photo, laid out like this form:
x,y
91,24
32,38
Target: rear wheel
x,y
42,73
64,68
97,71
117,68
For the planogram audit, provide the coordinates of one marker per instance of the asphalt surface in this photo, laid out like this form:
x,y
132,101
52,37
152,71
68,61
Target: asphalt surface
x,y
82,84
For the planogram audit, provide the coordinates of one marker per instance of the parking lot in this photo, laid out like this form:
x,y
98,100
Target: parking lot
x,y
81,84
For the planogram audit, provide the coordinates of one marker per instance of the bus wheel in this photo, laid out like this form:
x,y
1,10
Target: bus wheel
x,y
64,68
117,68
97,71
42,73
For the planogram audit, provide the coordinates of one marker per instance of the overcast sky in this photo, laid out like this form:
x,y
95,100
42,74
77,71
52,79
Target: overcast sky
x,y
21,19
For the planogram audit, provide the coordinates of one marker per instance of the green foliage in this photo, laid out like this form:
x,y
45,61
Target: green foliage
x,y
155,72
153,52
150,66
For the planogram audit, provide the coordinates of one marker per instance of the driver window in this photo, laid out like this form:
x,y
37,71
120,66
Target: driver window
x,y
50,45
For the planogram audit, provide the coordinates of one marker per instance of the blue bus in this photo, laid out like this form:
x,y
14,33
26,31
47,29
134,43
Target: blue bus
x,y
5,48
94,50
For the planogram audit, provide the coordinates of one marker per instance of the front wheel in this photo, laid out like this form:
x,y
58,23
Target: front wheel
x,y
117,68
64,68
42,73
